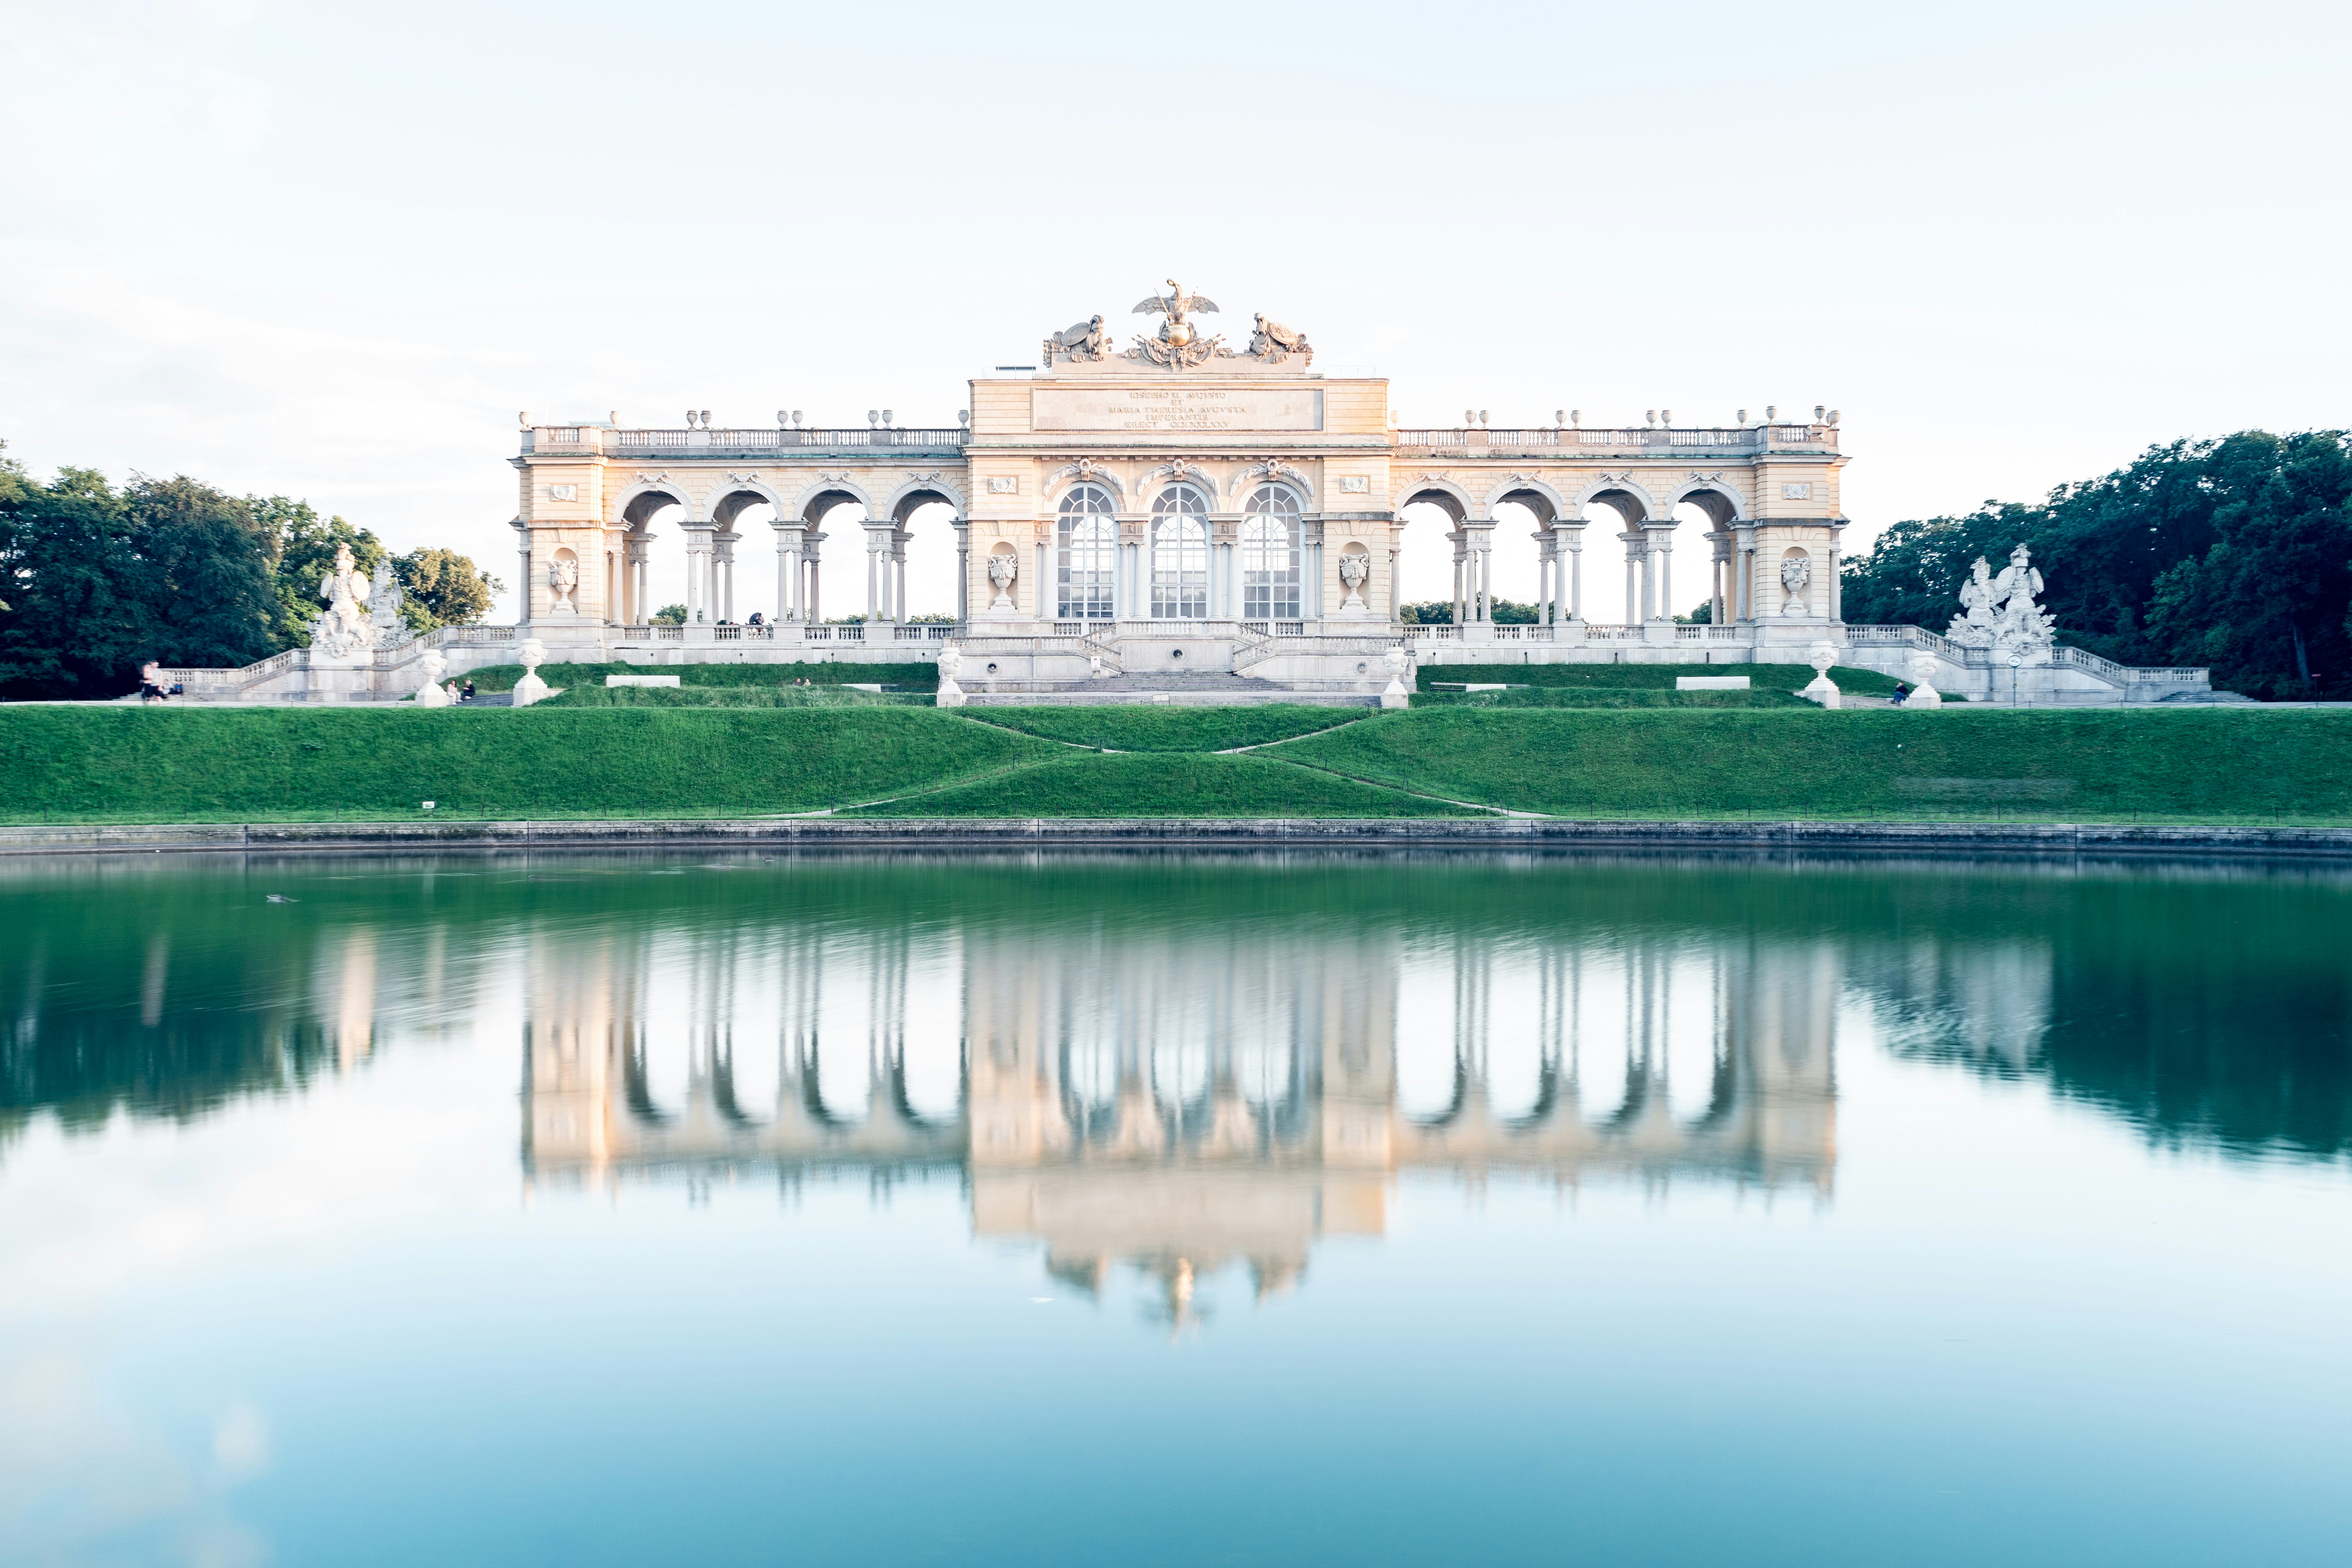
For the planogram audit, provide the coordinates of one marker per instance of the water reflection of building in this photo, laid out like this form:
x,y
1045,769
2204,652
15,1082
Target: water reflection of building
x,y
1180,1100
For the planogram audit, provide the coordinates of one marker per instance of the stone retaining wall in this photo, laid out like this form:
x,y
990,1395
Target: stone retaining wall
x,y
1875,838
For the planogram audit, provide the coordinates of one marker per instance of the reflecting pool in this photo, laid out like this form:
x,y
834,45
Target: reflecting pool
x,y
1172,1210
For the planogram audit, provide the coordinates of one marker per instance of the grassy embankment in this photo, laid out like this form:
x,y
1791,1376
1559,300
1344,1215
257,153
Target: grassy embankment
x,y
228,765
131,763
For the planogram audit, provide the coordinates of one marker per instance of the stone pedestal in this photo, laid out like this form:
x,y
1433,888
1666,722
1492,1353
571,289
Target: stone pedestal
x,y
531,689
432,694
1820,688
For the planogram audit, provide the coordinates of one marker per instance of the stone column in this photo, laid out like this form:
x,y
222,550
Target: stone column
x,y
1458,539
962,526
523,582
1665,554
723,573
898,538
1041,607
809,541
1634,544
788,563
1837,589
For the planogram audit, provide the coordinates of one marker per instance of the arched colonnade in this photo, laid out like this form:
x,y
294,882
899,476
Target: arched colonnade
x,y
713,532
1646,522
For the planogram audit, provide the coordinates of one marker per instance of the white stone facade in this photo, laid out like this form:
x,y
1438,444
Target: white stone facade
x,y
1183,506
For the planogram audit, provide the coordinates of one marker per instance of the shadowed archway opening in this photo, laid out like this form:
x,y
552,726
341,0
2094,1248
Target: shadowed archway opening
x,y
1430,565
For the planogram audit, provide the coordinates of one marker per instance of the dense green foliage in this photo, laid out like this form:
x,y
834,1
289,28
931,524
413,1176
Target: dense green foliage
x,y
910,677
1440,612
1144,783
100,580
2235,553
2068,764
442,588
1125,727
171,763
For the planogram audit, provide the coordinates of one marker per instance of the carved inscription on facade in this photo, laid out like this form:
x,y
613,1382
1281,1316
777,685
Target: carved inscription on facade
x,y
1176,409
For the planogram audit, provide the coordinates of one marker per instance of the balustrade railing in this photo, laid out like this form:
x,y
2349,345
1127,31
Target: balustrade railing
x,y
1725,438
647,443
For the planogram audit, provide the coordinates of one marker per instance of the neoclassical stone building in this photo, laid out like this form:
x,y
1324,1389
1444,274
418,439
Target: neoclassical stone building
x,y
1229,504
1182,505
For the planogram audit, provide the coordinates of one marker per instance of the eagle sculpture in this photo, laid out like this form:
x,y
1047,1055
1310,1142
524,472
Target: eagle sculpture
x,y
1174,303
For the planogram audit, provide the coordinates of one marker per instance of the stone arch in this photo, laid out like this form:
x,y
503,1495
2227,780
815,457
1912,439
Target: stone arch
x,y
732,497
1527,493
1718,500
1445,494
914,493
634,516
813,502
1275,473
1068,473
1624,496
1166,474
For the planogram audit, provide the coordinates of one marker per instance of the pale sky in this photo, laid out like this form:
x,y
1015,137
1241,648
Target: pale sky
x,y
329,252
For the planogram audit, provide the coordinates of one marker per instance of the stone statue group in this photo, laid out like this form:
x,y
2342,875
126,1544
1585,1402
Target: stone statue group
x,y
1178,346
2000,613
343,629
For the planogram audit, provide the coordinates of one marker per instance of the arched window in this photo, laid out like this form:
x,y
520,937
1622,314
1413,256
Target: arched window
x,y
1088,554
1270,554
1180,554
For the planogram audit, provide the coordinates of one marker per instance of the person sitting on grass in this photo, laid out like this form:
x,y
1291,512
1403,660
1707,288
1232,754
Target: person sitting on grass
x,y
469,695
1901,691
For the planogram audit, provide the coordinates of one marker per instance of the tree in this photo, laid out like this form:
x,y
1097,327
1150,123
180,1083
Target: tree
x,y
442,588
206,561
2267,606
1436,613
2234,553
670,616
74,627
1912,576
302,554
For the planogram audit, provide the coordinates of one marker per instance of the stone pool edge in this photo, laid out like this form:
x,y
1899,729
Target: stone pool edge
x,y
935,834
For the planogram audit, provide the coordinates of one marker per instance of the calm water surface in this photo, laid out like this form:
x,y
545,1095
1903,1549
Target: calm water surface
x,y
1173,1211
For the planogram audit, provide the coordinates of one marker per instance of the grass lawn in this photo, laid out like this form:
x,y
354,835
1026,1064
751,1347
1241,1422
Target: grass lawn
x,y
923,676
220,765
650,754
2063,764
1141,727
1163,785
1569,685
